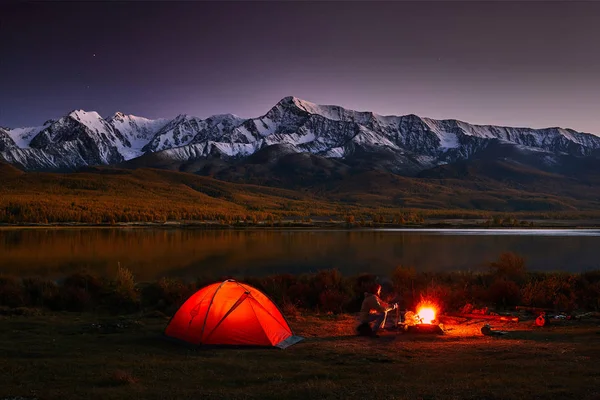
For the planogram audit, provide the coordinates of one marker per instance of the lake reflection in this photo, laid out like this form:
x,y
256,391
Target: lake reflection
x,y
151,253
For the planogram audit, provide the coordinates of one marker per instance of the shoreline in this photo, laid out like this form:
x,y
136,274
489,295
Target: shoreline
x,y
534,224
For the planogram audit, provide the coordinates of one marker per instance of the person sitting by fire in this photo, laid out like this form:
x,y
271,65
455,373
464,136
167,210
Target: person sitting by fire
x,y
373,309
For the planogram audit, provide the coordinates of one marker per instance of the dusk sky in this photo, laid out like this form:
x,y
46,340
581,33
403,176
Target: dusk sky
x,y
531,63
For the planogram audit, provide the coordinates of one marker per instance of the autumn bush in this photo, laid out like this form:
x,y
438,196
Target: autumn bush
x,y
166,293
120,293
326,290
556,291
358,286
509,266
11,292
505,284
504,293
40,292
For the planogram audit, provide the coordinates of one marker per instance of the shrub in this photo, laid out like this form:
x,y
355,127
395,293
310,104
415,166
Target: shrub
x,y
166,293
40,292
300,294
121,294
277,287
327,279
322,281
588,290
360,285
332,300
553,291
404,279
508,285
72,298
289,309
504,293
510,266
85,280
11,292
590,296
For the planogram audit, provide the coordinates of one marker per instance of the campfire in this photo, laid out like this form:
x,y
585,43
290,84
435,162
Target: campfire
x,y
423,321
426,315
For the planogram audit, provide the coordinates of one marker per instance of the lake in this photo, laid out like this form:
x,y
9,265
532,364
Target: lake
x,y
154,252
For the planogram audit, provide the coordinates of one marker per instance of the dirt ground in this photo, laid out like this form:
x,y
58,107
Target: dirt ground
x,y
68,355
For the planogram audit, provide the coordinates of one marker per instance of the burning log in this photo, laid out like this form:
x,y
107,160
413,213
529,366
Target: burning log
x,y
425,328
424,321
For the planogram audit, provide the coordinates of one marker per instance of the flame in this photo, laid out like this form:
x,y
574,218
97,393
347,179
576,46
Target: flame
x,y
426,314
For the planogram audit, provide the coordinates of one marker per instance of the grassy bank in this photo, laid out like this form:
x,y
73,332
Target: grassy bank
x,y
420,220
73,355
505,285
65,340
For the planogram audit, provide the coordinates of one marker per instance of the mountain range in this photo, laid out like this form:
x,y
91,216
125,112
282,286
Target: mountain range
x,y
298,131
332,153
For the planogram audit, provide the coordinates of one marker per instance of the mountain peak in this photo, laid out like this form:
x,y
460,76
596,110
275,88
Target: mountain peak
x,y
307,106
182,117
82,115
225,116
297,102
288,99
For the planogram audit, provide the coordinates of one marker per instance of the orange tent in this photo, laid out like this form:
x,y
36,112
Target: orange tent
x,y
230,313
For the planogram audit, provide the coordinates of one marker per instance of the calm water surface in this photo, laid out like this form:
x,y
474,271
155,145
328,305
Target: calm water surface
x,y
151,253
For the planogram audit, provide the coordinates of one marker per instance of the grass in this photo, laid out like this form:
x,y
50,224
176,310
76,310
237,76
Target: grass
x,y
68,355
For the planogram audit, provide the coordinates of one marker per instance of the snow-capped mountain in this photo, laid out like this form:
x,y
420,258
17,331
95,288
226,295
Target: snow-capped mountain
x,y
403,144
185,129
137,131
6,141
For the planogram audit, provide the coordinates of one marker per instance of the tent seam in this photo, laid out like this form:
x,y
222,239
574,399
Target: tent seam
x,y
276,306
259,321
209,306
236,305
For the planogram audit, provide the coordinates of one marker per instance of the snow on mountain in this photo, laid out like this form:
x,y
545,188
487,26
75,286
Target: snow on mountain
x,y
22,136
85,138
6,141
95,140
332,112
138,132
205,149
185,129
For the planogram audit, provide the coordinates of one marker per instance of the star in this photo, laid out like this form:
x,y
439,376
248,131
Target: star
x,y
94,55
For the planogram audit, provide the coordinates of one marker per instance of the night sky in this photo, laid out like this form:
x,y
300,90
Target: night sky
x,y
507,63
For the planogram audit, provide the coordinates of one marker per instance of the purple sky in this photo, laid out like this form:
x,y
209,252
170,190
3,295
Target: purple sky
x,y
507,63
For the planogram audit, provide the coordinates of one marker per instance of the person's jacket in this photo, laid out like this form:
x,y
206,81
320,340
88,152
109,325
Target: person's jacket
x,y
372,302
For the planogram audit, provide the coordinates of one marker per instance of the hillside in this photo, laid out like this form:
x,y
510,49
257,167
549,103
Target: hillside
x,y
103,195
110,195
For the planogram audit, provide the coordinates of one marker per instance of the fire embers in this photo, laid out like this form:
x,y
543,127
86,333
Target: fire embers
x,y
424,321
426,315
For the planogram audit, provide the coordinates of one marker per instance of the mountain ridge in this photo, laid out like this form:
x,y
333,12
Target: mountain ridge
x,y
403,145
